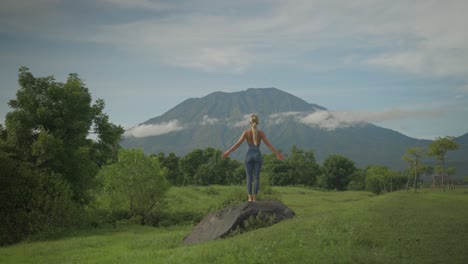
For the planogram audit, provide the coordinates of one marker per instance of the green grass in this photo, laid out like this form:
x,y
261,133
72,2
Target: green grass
x,y
330,227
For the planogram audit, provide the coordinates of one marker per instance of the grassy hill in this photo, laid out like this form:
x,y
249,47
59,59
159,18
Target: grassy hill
x,y
330,227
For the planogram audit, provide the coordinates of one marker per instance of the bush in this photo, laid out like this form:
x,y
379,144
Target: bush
x,y
373,183
34,202
133,186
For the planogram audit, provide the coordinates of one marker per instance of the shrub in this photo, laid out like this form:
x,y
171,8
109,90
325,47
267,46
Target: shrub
x,y
133,186
34,202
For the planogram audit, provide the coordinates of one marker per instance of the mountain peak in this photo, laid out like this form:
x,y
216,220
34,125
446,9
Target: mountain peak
x,y
262,101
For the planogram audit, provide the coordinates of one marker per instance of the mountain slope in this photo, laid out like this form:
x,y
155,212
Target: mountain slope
x,y
234,105
218,119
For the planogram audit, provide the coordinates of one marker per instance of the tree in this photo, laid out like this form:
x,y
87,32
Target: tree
x,y
357,180
49,128
438,149
277,170
205,166
233,171
380,178
136,184
428,171
414,158
189,165
303,169
210,171
337,170
171,162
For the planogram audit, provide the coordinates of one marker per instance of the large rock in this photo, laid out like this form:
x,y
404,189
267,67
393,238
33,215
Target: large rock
x,y
220,223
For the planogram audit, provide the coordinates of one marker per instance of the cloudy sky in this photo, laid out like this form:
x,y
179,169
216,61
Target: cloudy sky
x,y
398,64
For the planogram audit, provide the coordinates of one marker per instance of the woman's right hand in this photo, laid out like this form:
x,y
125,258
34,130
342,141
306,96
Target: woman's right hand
x,y
280,156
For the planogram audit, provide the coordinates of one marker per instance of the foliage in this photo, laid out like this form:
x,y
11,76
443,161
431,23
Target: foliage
x,y
357,180
337,171
171,163
414,158
203,167
49,126
381,179
439,148
134,186
48,162
277,170
33,201
303,169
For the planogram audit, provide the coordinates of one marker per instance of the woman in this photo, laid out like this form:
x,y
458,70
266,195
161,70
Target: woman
x,y
253,158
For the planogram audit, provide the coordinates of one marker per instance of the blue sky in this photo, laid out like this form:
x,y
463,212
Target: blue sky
x,y
402,65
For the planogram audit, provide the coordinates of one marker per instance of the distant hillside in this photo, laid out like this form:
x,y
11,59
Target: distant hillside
x,y
218,119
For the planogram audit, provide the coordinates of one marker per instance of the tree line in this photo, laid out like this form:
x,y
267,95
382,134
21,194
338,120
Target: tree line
x,y
415,157
62,166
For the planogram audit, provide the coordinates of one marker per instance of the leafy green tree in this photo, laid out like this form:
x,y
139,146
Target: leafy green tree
x,y
277,170
211,171
136,184
337,171
376,178
303,169
439,148
233,171
189,165
428,171
414,158
49,127
171,162
203,166
48,163
357,180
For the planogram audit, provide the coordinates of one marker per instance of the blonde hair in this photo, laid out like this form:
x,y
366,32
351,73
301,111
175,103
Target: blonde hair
x,y
253,124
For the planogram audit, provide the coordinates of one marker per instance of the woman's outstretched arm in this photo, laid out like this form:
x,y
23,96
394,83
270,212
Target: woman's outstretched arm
x,y
238,143
270,146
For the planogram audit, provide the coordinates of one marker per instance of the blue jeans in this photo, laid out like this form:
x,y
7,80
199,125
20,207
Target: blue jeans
x,y
253,165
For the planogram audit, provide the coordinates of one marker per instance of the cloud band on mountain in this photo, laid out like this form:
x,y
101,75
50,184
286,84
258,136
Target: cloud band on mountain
x,y
209,121
154,129
332,120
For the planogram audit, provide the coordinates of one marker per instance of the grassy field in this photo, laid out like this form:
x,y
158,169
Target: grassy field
x,y
330,227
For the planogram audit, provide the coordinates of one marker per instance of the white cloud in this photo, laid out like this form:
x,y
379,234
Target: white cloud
x,y
154,129
245,121
332,120
209,121
278,118
323,119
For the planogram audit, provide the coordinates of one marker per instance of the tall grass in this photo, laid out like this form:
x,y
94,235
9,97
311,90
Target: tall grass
x,y
329,227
